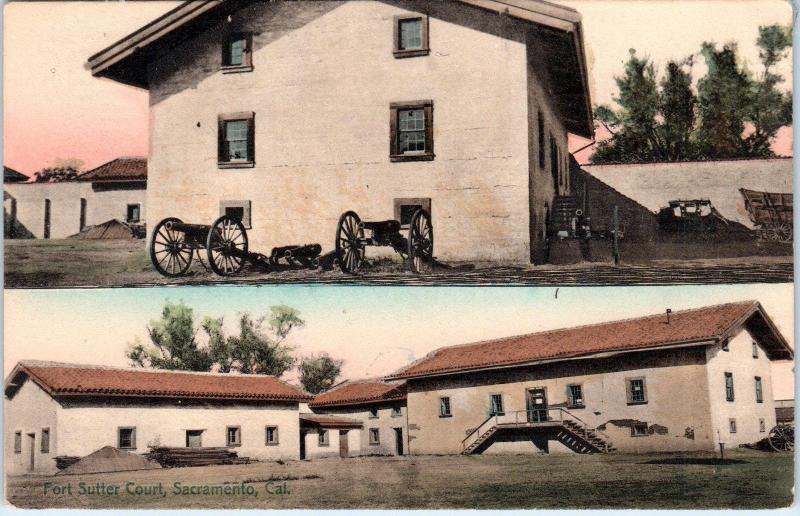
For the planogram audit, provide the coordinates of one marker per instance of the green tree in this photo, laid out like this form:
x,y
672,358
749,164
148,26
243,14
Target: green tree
x,y
318,373
55,175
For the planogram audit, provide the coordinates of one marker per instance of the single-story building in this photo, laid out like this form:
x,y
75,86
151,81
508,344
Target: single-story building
x,y
13,176
293,113
678,381
114,190
378,407
54,409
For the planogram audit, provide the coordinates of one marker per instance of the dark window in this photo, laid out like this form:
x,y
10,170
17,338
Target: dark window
x,y
542,149
762,427
725,346
411,36
233,436
271,435
45,444
374,436
323,438
397,411
639,429
373,412
404,208
444,407
411,128
729,386
755,350
237,210
575,395
732,425
496,405
134,213
47,218
759,390
237,53
17,442
554,163
637,391
236,142
126,438
83,214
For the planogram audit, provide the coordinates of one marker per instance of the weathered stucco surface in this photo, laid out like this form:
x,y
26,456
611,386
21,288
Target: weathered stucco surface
x,y
385,422
29,412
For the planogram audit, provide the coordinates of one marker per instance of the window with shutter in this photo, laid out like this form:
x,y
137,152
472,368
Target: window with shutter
x,y
237,53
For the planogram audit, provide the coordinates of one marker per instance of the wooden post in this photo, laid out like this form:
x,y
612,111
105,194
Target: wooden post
x,y
615,239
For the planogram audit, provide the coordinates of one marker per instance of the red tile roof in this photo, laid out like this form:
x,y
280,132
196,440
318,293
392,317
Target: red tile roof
x,y
688,326
120,169
59,379
360,393
326,421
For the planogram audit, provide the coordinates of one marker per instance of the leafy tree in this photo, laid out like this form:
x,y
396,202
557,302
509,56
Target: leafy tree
x,y
318,373
55,175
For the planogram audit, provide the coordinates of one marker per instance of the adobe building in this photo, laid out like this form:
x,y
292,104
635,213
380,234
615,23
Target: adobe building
x,y
295,112
682,381
54,409
113,191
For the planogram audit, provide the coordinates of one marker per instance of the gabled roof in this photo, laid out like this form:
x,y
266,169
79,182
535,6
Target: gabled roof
x,y
325,421
688,327
12,176
120,169
360,393
561,31
74,380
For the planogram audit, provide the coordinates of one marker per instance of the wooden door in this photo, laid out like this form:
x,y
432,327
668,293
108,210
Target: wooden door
x,y
47,218
343,444
32,444
83,214
194,438
537,405
398,437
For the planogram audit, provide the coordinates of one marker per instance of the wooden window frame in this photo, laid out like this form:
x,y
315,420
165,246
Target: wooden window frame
x,y
629,390
400,53
755,349
18,441
570,403
267,442
128,207
729,396
247,215
247,55
243,116
373,413
238,441
394,132
759,387
377,440
762,425
133,437
491,405
449,412
399,202
634,433
323,437
732,427
44,443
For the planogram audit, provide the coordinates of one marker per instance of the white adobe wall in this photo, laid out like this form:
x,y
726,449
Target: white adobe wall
x,y
385,422
744,408
324,76
29,411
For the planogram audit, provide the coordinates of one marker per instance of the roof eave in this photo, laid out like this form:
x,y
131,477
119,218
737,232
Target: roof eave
x,y
357,403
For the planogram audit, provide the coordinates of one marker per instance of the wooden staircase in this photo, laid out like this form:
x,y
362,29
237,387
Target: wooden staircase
x,y
582,440
564,208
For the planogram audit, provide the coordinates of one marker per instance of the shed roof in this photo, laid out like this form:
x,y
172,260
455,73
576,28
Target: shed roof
x,y
120,169
75,380
688,327
326,421
13,176
360,393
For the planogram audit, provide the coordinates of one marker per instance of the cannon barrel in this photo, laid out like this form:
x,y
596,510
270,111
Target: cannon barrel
x,y
305,251
186,228
280,252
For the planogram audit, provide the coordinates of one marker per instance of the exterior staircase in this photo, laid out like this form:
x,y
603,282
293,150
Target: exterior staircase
x,y
582,440
562,213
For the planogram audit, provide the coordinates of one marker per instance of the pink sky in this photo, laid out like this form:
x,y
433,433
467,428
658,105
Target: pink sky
x,y
54,109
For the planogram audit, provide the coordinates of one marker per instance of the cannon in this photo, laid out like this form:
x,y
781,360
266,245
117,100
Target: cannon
x,y
781,437
353,237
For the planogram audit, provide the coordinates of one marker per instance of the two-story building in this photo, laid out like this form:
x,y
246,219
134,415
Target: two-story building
x,y
288,114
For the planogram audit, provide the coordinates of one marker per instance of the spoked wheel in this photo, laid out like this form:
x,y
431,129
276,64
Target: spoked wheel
x,y
784,233
226,245
170,253
781,438
350,246
420,242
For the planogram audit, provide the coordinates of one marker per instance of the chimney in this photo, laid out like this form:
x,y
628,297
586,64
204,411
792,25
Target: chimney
x,y
669,311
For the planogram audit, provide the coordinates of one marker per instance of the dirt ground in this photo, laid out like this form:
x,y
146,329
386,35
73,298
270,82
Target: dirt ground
x,y
747,479
124,263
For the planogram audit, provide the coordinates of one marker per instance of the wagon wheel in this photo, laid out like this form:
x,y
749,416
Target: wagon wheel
x,y
420,242
350,246
170,253
784,232
226,245
781,438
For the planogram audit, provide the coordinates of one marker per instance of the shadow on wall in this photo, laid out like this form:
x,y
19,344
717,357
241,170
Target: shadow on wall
x,y
12,229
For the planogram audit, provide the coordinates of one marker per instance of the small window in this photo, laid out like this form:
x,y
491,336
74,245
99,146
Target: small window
x,y
45,444
732,425
637,391
639,430
237,210
134,213
397,411
271,436
496,404
237,53
323,438
405,207
729,386
444,407
411,131
575,395
126,438
759,390
726,345
17,442
236,145
755,350
762,426
374,436
233,436
542,150
554,163
373,413
411,36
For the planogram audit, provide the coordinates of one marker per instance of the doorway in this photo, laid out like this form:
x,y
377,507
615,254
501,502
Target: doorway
x,y
536,402
32,444
303,445
194,438
83,215
398,439
47,218
343,444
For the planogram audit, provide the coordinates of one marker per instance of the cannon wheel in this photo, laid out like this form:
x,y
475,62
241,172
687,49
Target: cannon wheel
x,y
350,246
781,438
226,245
169,252
420,242
784,232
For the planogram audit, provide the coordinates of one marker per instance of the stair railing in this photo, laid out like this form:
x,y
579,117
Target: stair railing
x,y
491,419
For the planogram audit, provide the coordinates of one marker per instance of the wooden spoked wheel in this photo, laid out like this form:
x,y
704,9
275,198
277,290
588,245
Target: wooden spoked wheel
x,y
226,245
169,251
350,245
784,232
420,242
781,438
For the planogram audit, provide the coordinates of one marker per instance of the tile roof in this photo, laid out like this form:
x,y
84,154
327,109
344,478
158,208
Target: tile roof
x,y
120,169
360,393
688,326
13,176
326,421
59,379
